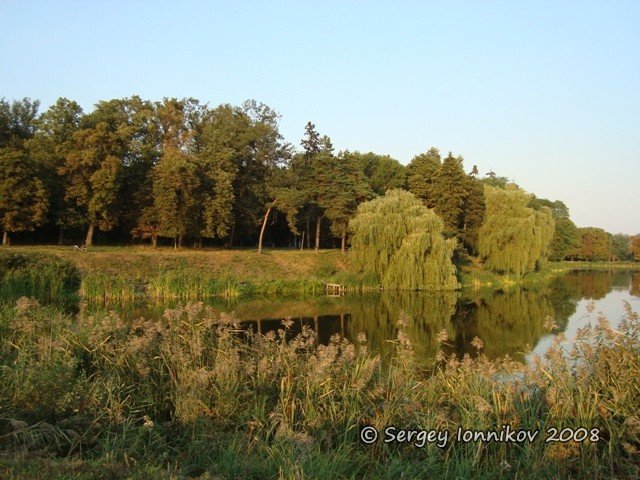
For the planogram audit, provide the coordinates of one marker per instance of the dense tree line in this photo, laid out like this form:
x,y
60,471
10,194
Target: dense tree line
x,y
180,171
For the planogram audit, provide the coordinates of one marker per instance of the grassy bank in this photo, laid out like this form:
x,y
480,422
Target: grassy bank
x,y
188,397
115,274
124,273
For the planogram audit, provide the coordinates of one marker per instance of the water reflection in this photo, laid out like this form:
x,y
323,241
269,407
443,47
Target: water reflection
x,y
508,321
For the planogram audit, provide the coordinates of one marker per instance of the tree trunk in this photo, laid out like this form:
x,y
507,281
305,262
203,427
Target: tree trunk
x,y
154,241
89,240
175,243
318,222
344,242
61,236
264,225
302,241
6,241
180,240
308,235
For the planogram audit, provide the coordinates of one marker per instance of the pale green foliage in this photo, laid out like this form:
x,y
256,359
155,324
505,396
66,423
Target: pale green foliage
x,y
399,241
514,237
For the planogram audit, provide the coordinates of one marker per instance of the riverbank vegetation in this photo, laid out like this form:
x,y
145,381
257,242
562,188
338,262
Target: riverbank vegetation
x,y
191,396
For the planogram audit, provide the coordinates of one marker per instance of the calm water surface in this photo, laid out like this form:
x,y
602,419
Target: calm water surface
x,y
509,321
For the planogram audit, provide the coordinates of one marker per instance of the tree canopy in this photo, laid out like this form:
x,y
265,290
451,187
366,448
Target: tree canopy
x,y
514,238
399,241
178,170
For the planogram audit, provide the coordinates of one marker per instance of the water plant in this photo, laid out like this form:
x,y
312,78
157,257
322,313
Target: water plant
x,y
193,394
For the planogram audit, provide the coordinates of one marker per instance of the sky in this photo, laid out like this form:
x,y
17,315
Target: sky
x,y
544,93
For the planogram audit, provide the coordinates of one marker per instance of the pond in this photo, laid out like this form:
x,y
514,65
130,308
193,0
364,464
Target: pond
x,y
508,320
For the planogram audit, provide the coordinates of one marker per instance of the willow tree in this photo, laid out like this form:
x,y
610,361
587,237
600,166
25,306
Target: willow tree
x,y
514,238
399,241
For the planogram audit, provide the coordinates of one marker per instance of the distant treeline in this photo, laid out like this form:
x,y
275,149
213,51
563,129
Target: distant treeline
x,y
178,171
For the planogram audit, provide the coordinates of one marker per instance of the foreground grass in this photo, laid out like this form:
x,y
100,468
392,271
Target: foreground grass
x,y
194,396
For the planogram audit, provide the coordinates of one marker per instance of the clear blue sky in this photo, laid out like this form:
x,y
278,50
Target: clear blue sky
x,y
545,93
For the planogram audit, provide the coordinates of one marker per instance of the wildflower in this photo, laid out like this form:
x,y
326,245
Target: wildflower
x,y
505,466
362,337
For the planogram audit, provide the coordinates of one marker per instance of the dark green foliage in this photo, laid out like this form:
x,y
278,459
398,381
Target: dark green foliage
x,y
457,198
399,240
423,174
381,171
565,237
175,189
49,148
473,213
23,199
493,180
514,237
17,122
565,234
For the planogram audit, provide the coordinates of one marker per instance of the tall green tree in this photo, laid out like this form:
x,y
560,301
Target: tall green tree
x,y
399,241
451,194
23,198
457,198
380,171
175,193
49,148
423,174
621,247
17,121
473,211
344,187
565,234
260,151
565,237
514,238
93,169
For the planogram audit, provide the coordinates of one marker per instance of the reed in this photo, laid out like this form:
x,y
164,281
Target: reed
x,y
42,276
195,395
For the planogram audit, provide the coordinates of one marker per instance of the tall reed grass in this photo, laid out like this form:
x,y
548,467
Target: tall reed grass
x,y
41,276
195,395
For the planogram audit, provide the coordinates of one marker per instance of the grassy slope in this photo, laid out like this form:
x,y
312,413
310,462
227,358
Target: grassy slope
x,y
124,272
143,262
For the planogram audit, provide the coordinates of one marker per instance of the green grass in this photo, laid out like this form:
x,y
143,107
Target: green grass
x,y
190,396
122,274
38,275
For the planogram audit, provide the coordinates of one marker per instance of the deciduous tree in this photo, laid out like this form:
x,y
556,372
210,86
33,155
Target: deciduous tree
x,y
399,241
514,238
